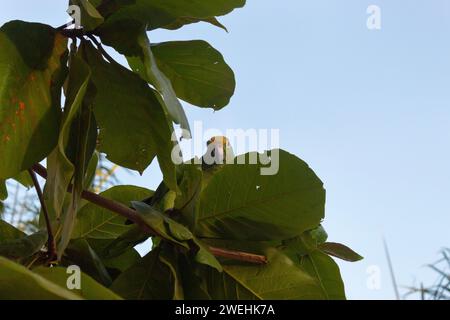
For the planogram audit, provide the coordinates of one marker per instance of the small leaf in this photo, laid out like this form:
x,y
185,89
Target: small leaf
x,y
204,256
340,251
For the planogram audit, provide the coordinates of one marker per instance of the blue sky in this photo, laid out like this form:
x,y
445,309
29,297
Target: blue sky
x,y
368,110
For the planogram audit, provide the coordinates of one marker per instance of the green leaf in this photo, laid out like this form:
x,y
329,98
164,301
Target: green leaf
x,y
146,66
138,113
30,62
197,71
325,270
147,280
80,253
167,228
90,289
204,256
9,232
117,255
99,223
240,203
319,235
18,282
161,13
60,168
90,17
23,247
279,279
340,251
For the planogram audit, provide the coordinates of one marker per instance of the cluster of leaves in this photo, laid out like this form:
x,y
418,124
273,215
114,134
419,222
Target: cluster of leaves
x,y
128,114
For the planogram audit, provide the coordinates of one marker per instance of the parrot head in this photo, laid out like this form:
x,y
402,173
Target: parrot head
x,y
219,151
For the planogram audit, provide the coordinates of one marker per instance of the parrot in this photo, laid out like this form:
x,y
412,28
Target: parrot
x,y
219,153
193,177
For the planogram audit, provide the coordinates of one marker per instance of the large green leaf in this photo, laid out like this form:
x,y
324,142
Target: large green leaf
x,y
90,289
17,282
325,270
197,71
240,203
162,13
150,279
99,223
279,279
30,62
145,65
133,126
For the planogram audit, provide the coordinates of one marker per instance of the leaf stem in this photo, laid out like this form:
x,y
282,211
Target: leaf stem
x,y
133,216
102,50
51,239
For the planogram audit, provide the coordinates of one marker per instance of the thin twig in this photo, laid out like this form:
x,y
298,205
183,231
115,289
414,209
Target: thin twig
x,y
51,239
238,255
131,214
102,50
65,25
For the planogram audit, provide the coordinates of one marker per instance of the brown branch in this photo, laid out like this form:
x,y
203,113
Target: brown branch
x,y
131,214
238,255
51,239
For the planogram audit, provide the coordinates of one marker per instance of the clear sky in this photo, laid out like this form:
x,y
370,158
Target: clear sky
x,y
368,110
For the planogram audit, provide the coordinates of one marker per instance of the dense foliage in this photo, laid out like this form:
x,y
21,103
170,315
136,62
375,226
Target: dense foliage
x,y
219,232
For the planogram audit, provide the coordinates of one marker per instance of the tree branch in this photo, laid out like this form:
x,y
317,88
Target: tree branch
x,y
131,214
51,239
